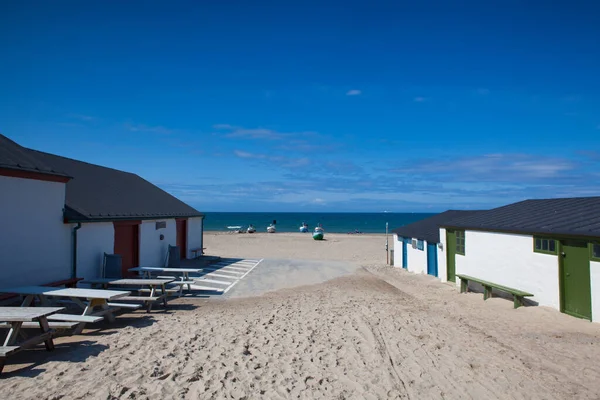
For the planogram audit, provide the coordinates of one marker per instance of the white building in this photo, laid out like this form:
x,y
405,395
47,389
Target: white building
x,y
61,215
550,248
416,246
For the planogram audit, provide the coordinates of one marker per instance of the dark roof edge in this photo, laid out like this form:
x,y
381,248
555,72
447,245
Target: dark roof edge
x,y
110,219
34,170
523,232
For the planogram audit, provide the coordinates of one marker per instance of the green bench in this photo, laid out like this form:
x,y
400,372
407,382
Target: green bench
x,y
517,294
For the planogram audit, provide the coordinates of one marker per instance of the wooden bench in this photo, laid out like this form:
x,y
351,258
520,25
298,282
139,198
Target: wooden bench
x,y
35,325
197,252
129,306
487,286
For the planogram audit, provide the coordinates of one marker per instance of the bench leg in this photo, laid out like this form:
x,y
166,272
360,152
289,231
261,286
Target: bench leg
x,y
518,301
487,292
45,328
2,362
464,286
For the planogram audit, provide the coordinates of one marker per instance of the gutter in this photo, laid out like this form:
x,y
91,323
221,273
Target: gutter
x,y
74,269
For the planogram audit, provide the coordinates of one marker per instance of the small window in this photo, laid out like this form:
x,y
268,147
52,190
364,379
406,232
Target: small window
x,y
414,243
545,245
420,245
460,242
595,251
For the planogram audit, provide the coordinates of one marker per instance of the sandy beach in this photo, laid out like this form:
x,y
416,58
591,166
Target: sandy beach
x,y
373,332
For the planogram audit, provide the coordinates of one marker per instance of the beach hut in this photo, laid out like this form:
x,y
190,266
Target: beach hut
x,y
416,246
61,215
549,248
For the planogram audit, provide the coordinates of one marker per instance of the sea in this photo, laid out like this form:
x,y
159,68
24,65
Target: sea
x,y
331,222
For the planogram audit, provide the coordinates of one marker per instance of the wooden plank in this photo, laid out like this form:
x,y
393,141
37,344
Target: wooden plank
x,y
67,292
140,298
123,305
130,282
26,314
75,318
6,351
36,325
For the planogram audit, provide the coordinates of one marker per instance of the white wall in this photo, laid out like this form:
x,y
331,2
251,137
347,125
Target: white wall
x,y
153,251
397,246
35,244
442,262
509,260
595,286
194,235
93,240
417,259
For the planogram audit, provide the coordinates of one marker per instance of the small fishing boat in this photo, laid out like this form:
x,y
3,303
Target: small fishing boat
x,y
319,233
251,229
304,227
271,228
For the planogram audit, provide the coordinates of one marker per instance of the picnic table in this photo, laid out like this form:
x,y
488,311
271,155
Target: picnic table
x,y
16,316
153,284
95,298
147,272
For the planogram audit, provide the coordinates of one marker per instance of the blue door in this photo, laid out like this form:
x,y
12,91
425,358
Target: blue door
x,y
405,242
432,266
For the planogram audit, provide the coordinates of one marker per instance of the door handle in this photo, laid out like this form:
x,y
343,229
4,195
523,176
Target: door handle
x,y
568,274
562,253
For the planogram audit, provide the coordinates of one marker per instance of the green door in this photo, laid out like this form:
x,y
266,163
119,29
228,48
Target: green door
x,y
451,255
576,299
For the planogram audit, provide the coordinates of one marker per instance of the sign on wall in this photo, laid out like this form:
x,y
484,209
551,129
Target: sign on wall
x,y
161,225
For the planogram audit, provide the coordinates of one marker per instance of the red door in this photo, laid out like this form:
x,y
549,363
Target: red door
x,y
127,244
182,237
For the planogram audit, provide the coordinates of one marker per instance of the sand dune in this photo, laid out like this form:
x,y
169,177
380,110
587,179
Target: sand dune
x,y
375,334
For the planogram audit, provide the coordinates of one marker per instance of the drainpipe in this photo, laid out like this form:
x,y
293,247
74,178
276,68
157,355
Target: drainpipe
x,y
202,236
74,271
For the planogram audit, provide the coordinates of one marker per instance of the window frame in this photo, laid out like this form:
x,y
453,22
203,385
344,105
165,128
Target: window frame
x,y
541,251
420,245
457,247
592,257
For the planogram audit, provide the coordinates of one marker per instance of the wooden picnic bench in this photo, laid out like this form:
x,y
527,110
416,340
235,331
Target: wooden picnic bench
x,y
488,286
16,317
184,273
87,299
153,284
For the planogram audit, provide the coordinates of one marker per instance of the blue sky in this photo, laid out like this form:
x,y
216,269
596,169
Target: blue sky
x,y
305,106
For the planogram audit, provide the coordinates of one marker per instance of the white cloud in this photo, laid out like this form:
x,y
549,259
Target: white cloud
x,y
245,154
353,92
419,99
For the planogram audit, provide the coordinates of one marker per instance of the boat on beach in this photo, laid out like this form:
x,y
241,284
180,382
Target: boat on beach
x,y
319,233
251,229
271,228
304,227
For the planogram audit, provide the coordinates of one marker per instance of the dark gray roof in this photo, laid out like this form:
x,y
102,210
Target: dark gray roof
x,y
429,228
14,156
571,216
100,193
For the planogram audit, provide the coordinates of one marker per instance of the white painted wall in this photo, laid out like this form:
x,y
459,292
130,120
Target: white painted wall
x,y
194,235
93,240
397,246
153,251
417,259
35,244
595,286
509,260
442,262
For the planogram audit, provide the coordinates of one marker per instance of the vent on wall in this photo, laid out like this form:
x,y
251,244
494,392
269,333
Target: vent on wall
x,y
161,225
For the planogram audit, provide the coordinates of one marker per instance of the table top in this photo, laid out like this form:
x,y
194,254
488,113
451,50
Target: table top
x,y
130,282
161,269
68,292
26,314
